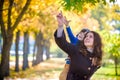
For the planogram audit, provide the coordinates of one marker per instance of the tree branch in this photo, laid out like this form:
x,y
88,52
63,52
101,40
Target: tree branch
x,y
20,16
9,13
1,20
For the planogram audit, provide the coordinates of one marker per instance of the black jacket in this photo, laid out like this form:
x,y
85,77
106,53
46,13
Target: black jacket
x,y
80,66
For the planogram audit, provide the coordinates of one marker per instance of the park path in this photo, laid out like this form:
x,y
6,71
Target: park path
x,y
43,69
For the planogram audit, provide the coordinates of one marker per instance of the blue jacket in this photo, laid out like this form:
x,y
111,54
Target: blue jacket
x,y
72,38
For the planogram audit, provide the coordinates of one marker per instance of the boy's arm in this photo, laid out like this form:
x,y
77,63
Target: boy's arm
x,y
72,38
70,35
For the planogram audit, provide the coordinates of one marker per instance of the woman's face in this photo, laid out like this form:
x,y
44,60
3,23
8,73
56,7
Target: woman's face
x,y
89,40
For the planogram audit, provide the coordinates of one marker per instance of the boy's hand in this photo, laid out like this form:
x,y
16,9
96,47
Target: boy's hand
x,y
65,21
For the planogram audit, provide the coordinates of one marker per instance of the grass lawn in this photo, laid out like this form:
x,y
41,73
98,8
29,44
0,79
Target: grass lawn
x,y
106,73
50,70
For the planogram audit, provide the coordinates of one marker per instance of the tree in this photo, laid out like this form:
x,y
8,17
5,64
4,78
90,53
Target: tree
x,y
25,51
112,43
114,49
107,16
7,30
99,13
79,5
39,46
43,21
0,41
115,17
16,51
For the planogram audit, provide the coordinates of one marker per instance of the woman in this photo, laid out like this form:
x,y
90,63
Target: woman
x,y
74,40
85,58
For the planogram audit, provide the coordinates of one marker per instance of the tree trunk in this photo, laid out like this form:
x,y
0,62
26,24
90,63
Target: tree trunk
x,y
4,66
16,51
39,55
25,51
116,66
47,47
0,41
48,52
34,50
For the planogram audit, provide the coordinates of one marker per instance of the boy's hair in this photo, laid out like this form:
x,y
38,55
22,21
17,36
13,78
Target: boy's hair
x,y
83,30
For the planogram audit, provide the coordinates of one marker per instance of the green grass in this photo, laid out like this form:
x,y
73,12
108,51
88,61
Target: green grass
x,y
106,73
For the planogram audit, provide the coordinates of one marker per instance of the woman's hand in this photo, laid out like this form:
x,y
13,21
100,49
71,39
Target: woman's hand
x,y
60,19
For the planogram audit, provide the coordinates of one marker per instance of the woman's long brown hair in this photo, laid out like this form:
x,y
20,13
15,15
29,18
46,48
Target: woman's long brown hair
x,y
97,48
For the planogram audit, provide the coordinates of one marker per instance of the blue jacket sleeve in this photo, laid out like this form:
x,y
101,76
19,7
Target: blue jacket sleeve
x,y
72,38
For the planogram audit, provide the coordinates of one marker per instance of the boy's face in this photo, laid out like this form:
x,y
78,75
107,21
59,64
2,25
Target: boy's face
x,y
81,35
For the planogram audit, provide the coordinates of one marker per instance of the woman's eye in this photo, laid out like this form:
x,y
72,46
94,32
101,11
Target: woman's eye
x,y
90,36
